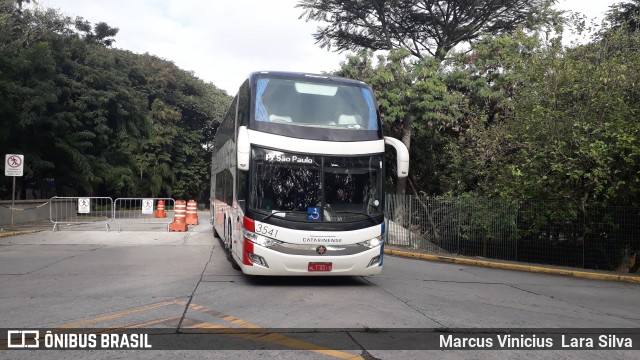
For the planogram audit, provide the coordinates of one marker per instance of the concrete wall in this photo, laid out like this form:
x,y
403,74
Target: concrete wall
x,y
31,210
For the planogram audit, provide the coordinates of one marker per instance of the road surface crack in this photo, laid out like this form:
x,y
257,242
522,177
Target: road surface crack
x,y
186,308
405,302
65,259
365,354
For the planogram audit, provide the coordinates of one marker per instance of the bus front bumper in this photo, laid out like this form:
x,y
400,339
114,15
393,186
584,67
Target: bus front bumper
x,y
367,262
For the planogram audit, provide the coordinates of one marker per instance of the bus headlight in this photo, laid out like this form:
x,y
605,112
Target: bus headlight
x,y
260,240
371,243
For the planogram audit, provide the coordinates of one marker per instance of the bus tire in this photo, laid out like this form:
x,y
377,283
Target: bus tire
x,y
223,239
234,264
213,221
215,233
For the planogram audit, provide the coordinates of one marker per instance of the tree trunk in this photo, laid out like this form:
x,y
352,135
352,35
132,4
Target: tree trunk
x,y
432,223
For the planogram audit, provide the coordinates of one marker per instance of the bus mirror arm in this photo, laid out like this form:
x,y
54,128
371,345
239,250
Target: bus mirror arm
x,y
402,155
243,148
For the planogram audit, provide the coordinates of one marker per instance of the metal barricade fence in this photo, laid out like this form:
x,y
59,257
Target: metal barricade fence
x,y
80,210
143,211
552,232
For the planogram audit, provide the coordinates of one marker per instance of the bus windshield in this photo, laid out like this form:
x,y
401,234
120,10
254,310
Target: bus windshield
x,y
315,104
316,188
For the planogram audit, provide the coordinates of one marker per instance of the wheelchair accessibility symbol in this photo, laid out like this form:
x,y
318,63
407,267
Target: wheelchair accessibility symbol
x,y
313,213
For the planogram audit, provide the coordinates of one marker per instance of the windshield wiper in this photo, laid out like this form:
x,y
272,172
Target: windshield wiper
x,y
349,126
355,212
282,212
330,212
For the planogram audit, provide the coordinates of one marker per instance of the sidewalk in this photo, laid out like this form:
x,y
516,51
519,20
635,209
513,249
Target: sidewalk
x,y
512,265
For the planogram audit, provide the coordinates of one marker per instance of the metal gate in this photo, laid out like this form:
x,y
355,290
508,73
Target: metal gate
x,y
80,210
128,211
104,211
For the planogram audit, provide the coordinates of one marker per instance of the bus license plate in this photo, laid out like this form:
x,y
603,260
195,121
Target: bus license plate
x,y
325,266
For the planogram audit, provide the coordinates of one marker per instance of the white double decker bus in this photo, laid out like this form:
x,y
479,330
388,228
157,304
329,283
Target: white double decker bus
x,y
297,178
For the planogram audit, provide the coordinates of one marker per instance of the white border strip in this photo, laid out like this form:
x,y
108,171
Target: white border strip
x,y
316,146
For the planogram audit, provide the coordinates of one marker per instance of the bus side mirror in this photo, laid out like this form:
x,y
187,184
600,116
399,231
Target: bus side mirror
x,y
403,155
243,148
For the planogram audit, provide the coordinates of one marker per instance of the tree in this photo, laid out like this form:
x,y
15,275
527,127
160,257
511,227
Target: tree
x,y
625,14
101,33
424,27
519,116
95,120
549,122
409,90
20,3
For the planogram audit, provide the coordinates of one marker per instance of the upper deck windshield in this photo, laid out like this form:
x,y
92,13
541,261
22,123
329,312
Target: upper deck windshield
x,y
319,110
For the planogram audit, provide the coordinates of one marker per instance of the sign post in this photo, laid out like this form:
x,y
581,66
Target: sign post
x,y
13,166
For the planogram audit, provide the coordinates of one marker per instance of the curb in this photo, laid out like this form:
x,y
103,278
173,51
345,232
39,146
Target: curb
x,y
20,232
516,267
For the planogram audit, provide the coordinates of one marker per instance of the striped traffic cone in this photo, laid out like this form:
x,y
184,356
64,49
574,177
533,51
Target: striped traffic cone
x,y
160,213
179,223
192,212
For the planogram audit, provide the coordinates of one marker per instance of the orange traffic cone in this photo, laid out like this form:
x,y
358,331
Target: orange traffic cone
x,y
160,210
179,223
192,212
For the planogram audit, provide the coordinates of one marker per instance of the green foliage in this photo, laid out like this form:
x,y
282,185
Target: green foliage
x,y
625,15
428,30
423,27
567,128
96,120
414,103
518,116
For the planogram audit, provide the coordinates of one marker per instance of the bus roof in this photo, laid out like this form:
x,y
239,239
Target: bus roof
x,y
304,76
309,106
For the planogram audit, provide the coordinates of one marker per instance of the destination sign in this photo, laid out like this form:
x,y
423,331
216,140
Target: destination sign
x,y
284,158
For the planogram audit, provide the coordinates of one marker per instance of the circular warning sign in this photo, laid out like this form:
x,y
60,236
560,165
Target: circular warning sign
x,y
14,161
13,165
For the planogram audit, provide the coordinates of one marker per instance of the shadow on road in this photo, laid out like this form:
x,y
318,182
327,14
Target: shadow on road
x,y
296,281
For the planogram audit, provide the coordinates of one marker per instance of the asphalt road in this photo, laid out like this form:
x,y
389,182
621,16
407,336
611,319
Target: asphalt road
x,y
153,279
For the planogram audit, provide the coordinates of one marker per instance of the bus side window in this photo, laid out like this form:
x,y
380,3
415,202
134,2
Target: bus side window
x,y
242,190
243,104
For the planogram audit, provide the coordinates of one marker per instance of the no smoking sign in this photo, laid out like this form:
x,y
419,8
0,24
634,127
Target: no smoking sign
x,y
13,165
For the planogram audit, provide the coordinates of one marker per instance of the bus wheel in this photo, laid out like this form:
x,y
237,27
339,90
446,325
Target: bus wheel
x,y
234,264
213,221
215,233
